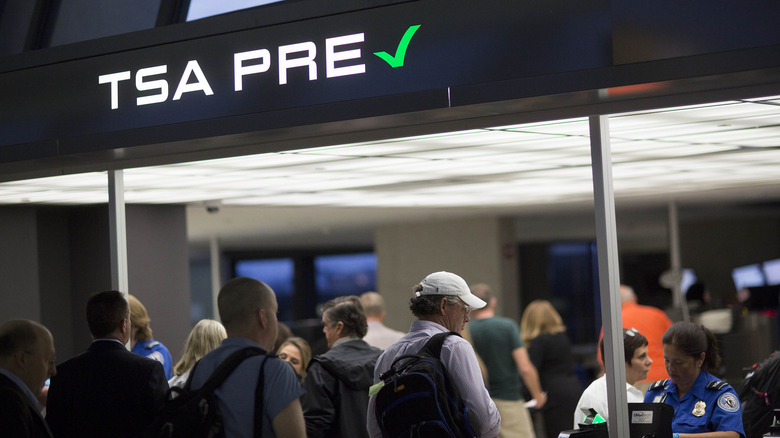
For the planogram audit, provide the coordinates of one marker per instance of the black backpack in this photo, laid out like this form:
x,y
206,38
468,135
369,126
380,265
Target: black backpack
x,y
418,398
195,413
760,396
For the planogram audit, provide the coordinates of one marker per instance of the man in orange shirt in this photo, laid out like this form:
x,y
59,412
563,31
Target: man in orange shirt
x,y
651,322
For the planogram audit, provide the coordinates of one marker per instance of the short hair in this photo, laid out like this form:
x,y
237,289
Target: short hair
x,y
240,298
105,312
19,335
140,319
425,305
632,340
540,317
347,309
482,291
373,304
693,340
303,346
204,337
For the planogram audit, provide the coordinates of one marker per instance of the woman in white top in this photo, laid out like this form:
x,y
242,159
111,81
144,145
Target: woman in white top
x,y
204,337
637,366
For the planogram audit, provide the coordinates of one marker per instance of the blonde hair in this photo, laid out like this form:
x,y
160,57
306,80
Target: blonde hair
x,y
540,318
140,319
303,346
204,337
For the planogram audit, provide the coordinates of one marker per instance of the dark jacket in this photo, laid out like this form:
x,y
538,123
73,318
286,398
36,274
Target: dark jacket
x,y
336,386
19,417
106,391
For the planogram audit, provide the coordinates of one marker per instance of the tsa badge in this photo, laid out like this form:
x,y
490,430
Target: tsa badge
x,y
728,402
699,408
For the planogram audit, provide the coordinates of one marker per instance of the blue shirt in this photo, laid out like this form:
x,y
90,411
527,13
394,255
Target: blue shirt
x,y
157,351
703,408
236,396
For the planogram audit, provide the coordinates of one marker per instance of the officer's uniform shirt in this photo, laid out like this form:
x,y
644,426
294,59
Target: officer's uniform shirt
x,y
711,405
157,351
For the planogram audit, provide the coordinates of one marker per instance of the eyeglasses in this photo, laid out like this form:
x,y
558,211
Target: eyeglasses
x,y
456,300
630,332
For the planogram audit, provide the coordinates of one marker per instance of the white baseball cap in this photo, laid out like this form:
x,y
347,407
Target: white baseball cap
x,y
447,283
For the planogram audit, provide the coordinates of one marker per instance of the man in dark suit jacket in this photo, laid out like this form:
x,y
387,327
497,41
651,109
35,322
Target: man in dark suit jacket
x,y
107,391
26,361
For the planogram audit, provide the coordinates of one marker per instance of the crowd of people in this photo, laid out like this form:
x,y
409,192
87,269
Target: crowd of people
x,y
514,380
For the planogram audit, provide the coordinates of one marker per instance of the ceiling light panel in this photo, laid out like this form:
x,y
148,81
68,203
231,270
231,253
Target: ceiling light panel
x,y
694,148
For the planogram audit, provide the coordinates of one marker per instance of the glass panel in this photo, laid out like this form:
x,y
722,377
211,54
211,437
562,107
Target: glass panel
x,y
208,8
15,18
81,20
344,274
277,273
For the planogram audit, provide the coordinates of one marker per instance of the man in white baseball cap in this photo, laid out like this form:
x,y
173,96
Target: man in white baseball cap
x,y
449,284
442,302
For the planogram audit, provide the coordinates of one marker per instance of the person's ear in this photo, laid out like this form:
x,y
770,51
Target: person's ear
x,y
20,357
262,318
442,305
339,328
700,360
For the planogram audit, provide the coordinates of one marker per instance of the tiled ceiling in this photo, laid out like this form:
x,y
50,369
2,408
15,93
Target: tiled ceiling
x,y
706,149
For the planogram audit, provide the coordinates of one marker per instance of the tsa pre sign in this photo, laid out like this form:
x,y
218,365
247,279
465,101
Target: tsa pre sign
x,y
341,55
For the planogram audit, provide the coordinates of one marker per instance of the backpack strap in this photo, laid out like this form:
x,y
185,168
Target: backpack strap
x,y
432,348
259,399
225,368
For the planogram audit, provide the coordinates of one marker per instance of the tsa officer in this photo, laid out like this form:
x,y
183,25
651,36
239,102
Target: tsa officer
x,y
704,406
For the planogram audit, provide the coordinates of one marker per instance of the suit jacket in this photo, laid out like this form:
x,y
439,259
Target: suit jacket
x,y
106,391
19,416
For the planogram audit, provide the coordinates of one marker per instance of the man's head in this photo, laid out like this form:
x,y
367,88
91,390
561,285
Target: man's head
x,y
373,306
27,351
343,317
444,298
484,293
108,316
627,294
247,308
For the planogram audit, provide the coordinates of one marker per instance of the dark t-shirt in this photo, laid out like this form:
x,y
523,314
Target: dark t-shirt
x,y
495,339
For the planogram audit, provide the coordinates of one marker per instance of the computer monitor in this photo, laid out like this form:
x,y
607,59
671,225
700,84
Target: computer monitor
x,y
771,270
748,276
650,420
688,279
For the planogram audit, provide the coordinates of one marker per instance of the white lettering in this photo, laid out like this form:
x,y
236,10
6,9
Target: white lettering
x,y
240,70
114,79
304,61
185,87
331,56
161,85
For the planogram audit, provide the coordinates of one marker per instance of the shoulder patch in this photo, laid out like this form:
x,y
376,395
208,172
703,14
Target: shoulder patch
x,y
658,384
729,402
716,385
156,355
151,345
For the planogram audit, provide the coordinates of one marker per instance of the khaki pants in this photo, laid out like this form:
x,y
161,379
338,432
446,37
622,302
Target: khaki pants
x,y
515,419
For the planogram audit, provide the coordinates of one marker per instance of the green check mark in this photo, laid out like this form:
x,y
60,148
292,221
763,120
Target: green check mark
x,y
400,53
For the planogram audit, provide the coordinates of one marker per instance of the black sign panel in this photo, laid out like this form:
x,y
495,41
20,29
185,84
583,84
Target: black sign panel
x,y
384,51
662,29
377,61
